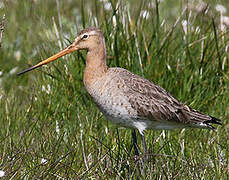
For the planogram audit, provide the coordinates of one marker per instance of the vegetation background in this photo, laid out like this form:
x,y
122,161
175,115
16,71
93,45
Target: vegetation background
x,y
51,129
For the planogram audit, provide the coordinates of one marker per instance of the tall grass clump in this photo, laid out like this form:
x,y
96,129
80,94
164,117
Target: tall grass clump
x,y
50,128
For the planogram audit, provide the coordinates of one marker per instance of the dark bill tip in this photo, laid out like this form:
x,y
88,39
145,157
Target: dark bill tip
x,y
27,70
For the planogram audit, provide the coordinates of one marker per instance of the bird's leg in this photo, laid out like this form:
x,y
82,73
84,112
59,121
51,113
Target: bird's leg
x,y
136,151
135,143
146,157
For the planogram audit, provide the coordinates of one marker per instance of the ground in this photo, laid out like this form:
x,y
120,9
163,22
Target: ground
x,y
50,128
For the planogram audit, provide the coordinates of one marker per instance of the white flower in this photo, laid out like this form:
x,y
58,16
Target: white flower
x,y
2,173
200,6
46,89
220,8
185,26
225,20
1,73
106,130
224,23
17,55
13,71
44,161
43,88
107,6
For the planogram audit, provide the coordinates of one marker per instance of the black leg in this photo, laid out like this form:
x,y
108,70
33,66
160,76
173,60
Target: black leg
x,y
146,157
136,151
135,143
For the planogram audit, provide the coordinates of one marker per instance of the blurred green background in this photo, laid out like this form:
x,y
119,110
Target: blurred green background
x,y
50,128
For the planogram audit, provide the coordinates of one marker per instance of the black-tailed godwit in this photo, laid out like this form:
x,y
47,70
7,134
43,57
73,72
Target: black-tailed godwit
x,y
127,99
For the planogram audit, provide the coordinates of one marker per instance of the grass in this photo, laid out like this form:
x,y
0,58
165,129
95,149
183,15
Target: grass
x,y
50,128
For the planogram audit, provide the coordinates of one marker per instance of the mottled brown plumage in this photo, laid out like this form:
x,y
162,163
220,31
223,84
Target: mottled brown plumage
x,y
128,99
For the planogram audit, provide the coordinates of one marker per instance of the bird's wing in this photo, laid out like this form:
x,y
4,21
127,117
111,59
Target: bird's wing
x,y
155,103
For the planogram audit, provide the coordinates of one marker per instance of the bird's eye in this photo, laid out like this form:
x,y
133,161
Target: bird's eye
x,y
85,36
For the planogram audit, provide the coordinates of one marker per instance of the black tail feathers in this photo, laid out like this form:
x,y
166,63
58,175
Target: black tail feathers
x,y
213,121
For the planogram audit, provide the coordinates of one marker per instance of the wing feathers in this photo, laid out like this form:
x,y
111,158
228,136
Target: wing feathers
x,y
155,103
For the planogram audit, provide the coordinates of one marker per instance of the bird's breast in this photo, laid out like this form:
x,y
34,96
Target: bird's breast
x,y
108,92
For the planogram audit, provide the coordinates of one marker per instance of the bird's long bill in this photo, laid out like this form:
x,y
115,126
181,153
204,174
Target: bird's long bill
x,y
65,51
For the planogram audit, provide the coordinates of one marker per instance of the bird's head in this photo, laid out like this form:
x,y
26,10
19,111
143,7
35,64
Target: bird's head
x,y
88,39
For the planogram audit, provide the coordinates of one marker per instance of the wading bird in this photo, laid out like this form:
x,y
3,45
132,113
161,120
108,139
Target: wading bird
x,y
127,99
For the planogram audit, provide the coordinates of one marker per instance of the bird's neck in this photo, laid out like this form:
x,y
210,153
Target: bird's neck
x,y
95,65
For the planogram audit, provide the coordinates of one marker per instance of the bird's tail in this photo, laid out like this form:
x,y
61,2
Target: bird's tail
x,y
202,120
